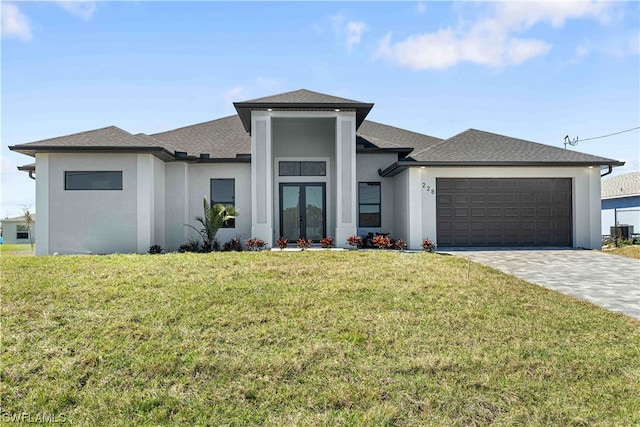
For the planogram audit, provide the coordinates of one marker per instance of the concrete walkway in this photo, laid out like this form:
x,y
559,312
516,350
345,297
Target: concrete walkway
x,y
610,281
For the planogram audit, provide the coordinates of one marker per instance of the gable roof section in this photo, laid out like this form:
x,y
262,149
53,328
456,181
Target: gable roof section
x,y
110,138
479,148
300,100
625,185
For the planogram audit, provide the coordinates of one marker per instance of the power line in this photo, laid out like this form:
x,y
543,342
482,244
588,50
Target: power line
x,y
611,134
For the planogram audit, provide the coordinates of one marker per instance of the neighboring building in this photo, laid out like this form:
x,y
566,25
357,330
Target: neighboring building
x,y
14,230
305,164
621,201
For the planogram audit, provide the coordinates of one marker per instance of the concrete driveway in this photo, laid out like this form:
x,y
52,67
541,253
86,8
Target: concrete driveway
x,y
610,281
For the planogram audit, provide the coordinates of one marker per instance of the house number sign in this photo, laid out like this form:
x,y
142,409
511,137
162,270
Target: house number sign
x,y
428,188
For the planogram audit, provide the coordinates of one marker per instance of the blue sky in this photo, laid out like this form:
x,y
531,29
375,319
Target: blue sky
x,y
537,71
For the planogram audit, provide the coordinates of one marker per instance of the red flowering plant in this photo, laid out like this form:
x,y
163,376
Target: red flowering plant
x,y
255,244
303,244
354,241
282,242
381,242
400,245
327,242
428,245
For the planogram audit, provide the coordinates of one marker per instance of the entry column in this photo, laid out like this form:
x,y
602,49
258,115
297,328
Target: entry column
x,y
261,178
345,177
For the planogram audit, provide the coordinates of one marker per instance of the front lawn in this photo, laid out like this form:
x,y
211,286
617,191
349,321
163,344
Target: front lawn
x,y
306,338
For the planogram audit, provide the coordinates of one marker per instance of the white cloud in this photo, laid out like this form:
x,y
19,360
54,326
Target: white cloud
x,y
14,22
354,33
81,8
421,8
489,40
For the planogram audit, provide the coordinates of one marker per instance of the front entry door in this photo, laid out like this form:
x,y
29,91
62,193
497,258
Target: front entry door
x,y
302,211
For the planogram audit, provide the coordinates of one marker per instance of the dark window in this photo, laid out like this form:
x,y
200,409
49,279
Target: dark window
x,y
369,204
22,232
223,192
302,168
87,180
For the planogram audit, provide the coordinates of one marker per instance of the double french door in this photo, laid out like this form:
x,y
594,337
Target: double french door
x,y
303,211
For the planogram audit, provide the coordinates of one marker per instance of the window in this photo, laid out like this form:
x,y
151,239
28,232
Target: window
x,y
223,192
22,232
369,204
97,180
302,168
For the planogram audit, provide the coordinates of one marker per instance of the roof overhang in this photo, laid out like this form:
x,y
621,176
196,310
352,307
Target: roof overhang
x,y
31,167
244,109
31,150
400,166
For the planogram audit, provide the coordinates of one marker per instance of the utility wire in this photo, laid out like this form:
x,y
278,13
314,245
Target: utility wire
x,y
611,134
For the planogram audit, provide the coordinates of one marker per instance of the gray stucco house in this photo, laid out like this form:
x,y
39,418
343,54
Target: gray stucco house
x,y
306,164
15,230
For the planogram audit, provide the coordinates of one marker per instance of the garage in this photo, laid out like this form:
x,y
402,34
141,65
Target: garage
x,y
497,212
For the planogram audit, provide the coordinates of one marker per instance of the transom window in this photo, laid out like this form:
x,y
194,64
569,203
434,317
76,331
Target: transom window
x,y
306,168
223,192
93,180
369,204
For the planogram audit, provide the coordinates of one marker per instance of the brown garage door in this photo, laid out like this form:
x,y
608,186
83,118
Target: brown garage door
x,y
504,212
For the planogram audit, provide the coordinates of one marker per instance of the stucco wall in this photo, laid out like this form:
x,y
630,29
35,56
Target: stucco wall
x,y
199,185
303,137
367,166
586,195
82,221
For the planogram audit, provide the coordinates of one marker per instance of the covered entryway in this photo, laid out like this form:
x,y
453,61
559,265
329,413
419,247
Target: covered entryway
x,y
504,212
302,211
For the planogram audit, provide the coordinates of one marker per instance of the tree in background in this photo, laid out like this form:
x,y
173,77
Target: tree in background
x,y
28,220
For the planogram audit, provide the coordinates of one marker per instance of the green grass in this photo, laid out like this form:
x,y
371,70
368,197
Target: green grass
x,y
17,249
626,251
307,338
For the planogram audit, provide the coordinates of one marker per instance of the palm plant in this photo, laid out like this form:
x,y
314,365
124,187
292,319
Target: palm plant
x,y
215,216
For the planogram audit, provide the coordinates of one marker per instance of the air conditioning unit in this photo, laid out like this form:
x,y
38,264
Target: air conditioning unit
x,y
621,231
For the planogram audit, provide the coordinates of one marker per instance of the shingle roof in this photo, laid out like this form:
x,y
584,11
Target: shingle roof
x,y
301,96
624,185
476,146
385,136
301,99
221,138
19,218
108,138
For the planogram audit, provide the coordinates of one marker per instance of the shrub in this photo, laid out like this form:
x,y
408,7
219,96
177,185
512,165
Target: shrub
x,y
327,242
400,245
233,245
155,249
215,216
381,242
282,243
191,246
303,244
428,245
354,241
255,244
